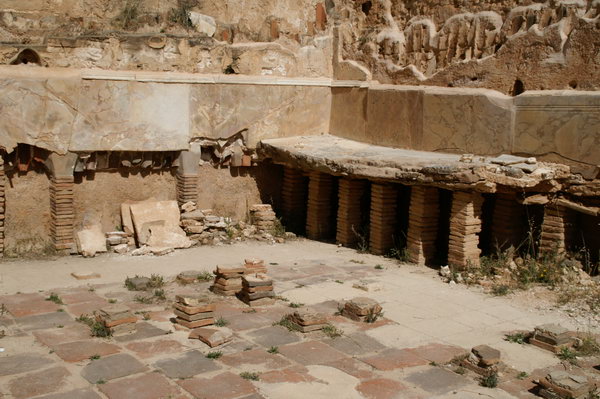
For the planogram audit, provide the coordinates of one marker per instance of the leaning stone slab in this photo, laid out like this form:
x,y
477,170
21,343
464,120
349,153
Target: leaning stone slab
x,y
487,355
212,336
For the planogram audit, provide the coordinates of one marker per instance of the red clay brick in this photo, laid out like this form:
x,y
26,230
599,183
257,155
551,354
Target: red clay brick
x,y
380,388
224,386
291,374
150,349
147,386
20,305
394,359
81,350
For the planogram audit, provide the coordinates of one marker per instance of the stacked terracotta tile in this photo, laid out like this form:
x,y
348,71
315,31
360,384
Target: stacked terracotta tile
x,y
118,319
551,337
562,384
422,224
194,312
263,217
62,212
306,321
465,226
361,309
117,239
293,195
349,211
257,290
383,215
507,226
483,359
318,215
556,229
187,188
254,266
228,280
2,205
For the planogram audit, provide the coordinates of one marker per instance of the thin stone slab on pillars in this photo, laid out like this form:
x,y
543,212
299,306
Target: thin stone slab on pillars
x,y
318,216
507,226
384,204
423,220
465,226
293,194
557,229
349,215
62,212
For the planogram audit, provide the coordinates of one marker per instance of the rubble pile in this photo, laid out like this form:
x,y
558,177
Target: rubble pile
x,y
561,384
483,359
307,321
228,280
263,217
361,309
257,290
194,312
254,266
119,241
118,319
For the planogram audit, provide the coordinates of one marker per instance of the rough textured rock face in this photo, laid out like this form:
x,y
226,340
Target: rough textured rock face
x,y
505,45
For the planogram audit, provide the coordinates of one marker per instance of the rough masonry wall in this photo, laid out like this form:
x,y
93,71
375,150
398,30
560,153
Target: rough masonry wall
x,y
552,44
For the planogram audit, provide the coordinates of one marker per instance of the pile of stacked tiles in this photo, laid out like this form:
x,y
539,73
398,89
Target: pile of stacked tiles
x,y
384,201
307,321
557,229
193,312
422,224
228,280
293,195
2,205
318,215
263,217
187,188
361,309
257,290
62,211
349,216
465,226
254,266
118,319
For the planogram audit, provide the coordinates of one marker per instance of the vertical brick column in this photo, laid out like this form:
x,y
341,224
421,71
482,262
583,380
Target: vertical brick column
x,y
293,198
465,226
187,188
507,228
62,211
2,205
349,215
557,229
423,215
384,204
318,215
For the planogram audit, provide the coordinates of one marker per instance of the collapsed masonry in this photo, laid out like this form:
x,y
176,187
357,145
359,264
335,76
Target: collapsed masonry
x,y
437,208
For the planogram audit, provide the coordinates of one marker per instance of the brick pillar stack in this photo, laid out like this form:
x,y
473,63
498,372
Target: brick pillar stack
x,y
187,188
62,212
465,226
318,215
293,195
507,225
557,229
384,204
2,205
349,216
423,218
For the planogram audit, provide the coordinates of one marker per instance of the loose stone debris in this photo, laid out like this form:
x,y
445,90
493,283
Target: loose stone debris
x,y
564,385
483,360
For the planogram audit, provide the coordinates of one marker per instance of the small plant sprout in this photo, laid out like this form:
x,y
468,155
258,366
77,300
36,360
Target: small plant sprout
x,y
55,298
273,350
296,305
490,381
378,267
522,375
94,357
214,355
221,322
247,375
516,338
332,331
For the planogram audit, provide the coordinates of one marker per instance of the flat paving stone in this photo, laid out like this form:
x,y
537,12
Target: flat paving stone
x,y
44,321
22,363
38,383
381,388
437,380
111,367
187,365
356,344
78,309
294,374
21,305
147,386
352,367
393,359
439,353
246,321
223,386
146,349
266,361
143,331
81,350
311,352
273,336
71,333
76,394
79,296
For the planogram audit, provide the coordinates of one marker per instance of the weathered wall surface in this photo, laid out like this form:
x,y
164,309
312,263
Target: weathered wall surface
x,y
552,44
562,126
257,37
84,111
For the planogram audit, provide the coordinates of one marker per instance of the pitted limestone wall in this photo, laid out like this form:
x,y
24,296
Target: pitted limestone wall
x,y
560,125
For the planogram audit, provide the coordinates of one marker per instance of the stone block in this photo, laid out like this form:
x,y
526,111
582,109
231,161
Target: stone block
x,y
212,336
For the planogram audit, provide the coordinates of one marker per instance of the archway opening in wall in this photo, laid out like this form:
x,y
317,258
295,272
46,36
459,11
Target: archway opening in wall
x,y
26,57
518,88
443,232
366,7
486,240
401,231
